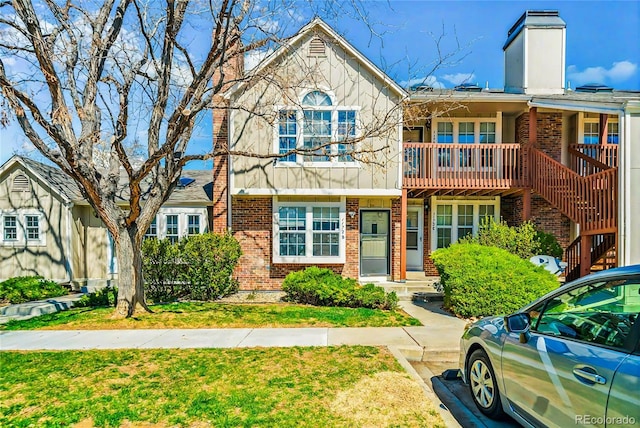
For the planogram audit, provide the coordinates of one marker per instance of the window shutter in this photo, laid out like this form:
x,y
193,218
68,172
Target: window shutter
x,y
20,183
316,47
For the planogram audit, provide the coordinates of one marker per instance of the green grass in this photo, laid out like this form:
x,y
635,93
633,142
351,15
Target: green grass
x,y
335,386
217,315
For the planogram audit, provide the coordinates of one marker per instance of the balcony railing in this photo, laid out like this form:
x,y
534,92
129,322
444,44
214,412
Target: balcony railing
x,y
462,166
606,154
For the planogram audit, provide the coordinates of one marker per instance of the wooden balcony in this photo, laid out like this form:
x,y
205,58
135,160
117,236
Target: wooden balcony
x,y
462,166
582,157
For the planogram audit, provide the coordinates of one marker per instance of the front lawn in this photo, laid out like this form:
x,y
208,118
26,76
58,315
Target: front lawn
x,y
217,315
284,387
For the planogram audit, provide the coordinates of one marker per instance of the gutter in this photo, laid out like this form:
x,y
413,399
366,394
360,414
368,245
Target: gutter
x,y
578,106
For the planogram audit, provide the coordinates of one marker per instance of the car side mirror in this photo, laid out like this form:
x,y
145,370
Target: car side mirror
x,y
519,323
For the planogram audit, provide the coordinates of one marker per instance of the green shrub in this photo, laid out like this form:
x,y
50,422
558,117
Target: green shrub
x,y
160,270
107,296
199,267
519,240
481,281
209,260
549,244
29,288
322,287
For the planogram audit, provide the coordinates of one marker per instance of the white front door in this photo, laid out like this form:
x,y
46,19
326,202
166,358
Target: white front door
x,y
415,227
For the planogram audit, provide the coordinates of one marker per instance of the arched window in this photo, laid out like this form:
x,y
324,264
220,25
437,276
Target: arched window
x,y
316,99
326,130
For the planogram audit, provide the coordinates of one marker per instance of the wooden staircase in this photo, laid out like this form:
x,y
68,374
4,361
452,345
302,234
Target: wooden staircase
x,y
588,198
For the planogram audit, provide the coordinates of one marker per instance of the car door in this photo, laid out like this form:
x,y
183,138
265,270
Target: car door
x,y
579,337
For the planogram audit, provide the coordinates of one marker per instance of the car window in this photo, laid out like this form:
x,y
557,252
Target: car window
x,y
601,313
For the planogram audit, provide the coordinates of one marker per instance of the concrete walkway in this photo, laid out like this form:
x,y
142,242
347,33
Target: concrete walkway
x,y
441,333
23,311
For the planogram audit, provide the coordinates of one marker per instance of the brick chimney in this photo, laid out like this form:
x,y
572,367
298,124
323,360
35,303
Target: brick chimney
x,y
233,69
535,53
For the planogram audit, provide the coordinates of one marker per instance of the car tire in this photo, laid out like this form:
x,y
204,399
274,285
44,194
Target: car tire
x,y
483,385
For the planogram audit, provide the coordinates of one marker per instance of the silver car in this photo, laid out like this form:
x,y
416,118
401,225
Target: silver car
x,y
570,358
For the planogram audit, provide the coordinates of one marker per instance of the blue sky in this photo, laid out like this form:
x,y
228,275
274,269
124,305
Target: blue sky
x,y
602,45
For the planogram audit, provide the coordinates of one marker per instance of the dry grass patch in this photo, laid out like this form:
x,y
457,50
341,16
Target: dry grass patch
x,y
386,399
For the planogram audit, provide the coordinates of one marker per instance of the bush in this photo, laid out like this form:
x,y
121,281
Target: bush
x,y
199,267
29,288
519,240
160,270
481,281
322,287
209,260
549,244
524,241
107,296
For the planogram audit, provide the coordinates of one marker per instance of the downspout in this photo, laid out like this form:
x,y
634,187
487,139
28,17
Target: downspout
x,y
229,166
69,262
624,180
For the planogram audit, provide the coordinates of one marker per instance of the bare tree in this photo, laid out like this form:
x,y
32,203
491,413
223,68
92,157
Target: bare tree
x,y
91,79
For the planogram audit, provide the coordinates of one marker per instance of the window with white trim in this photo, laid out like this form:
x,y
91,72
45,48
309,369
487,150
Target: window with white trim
x,y
193,224
613,134
172,231
10,228
326,130
22,227
309,232
455,219
466,131
32,227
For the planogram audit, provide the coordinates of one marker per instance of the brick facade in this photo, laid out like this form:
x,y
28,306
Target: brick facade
x,y
252,227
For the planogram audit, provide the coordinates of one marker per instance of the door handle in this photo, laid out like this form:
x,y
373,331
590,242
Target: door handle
x,y
589,376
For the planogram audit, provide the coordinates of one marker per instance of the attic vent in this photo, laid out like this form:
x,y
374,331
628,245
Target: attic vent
x,y
593,88
468,87
316,47
20,183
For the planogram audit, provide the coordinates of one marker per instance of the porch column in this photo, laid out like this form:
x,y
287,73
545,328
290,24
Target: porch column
x,y
585,255
526,204
533,126
403,236
604,122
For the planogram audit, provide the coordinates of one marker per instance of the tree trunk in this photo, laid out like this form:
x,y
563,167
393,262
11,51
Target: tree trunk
x,y
130,281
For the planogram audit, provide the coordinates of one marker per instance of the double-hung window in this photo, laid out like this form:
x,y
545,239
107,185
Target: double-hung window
x,y
22,227
32,227
320,130
287,135
455,219
193,224
466,133
292,230
172,228
326,231
309,232
346,133
10,228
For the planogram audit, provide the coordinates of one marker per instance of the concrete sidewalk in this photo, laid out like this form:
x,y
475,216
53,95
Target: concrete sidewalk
x,y
441,333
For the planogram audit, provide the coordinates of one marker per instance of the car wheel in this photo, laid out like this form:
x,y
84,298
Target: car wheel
x,y
483,385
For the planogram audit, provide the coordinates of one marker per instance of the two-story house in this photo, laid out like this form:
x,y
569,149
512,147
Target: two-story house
x,y
534,150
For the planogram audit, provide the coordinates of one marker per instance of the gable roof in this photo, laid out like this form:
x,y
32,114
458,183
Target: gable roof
x,y
199,191
58,181
318,23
